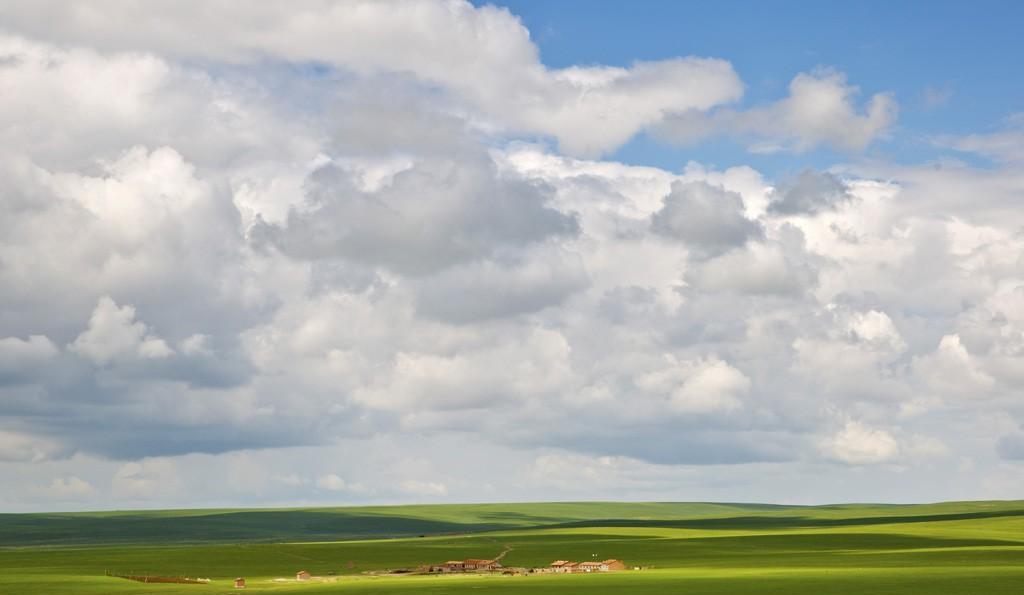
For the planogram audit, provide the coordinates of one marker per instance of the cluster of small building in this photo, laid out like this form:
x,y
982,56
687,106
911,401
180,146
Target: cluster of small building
x,y
558,566
567,567
476,565
302,575
470,565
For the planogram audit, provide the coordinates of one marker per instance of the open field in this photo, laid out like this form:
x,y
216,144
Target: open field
x,y
950,548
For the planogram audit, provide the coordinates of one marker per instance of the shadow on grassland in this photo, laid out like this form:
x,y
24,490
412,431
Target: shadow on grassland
x,y
789,522
832,542
226,527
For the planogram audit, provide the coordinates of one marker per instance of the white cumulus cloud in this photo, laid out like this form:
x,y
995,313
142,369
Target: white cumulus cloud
x,y
115,334
858,444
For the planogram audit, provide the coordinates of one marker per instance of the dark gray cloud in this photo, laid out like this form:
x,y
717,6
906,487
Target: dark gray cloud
x,y
809,192
435,214
708,218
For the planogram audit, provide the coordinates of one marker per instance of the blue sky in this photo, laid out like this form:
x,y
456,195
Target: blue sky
x,y
967,55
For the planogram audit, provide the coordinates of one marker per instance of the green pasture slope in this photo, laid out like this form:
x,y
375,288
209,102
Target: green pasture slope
x,y
968,548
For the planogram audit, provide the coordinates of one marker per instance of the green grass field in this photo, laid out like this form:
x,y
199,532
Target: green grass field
x,y
951,548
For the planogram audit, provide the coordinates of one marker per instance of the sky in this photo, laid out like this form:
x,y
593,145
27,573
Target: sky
x,y
418,251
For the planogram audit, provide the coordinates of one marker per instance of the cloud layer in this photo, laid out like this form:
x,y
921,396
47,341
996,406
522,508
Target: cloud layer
x,y
322,263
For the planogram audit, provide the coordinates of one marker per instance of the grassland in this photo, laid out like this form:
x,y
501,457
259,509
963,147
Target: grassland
x,y
949,548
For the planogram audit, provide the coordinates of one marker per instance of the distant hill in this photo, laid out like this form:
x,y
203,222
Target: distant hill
x,y
331,524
